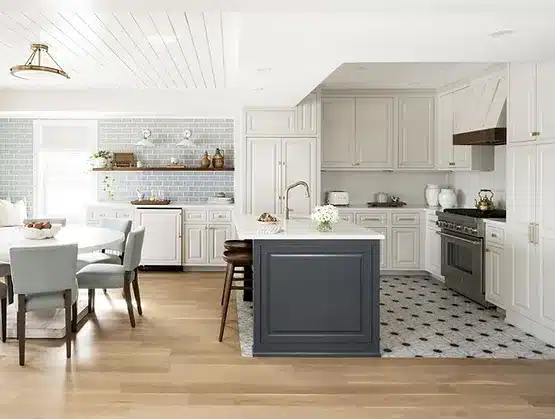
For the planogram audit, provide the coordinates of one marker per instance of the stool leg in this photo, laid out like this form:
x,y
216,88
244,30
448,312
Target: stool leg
x,y
228,284
227,268
247,294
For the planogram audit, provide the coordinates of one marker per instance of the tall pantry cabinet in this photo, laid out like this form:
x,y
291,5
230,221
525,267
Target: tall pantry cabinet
x,y
279,152
530,245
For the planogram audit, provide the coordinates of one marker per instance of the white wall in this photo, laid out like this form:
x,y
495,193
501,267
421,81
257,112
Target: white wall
x,y
362,186
468,184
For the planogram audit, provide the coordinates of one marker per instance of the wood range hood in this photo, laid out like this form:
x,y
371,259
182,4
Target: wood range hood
x,y
489,136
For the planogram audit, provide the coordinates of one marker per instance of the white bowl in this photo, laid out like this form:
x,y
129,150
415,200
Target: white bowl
x,y
36,234
269,228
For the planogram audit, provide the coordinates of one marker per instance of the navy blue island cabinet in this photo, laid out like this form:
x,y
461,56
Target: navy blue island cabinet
x,y
315,294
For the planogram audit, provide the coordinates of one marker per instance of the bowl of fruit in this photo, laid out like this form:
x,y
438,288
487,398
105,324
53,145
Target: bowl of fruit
x,y
267,218
39,230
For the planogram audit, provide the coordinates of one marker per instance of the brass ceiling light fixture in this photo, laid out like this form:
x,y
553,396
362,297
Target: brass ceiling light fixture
x,y
34,67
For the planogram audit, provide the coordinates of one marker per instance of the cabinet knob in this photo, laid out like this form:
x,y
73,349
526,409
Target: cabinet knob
x,y
534,134
493,235
451,163
487,250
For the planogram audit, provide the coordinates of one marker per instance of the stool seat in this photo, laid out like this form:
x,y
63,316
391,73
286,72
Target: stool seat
x,y
238,258
237,245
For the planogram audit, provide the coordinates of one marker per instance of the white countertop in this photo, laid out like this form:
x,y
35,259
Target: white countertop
x,y
301,229
176,205
364,207
500,222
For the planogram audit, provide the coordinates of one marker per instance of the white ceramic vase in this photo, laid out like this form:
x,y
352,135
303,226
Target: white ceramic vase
x,y
447,198
100,162
432,195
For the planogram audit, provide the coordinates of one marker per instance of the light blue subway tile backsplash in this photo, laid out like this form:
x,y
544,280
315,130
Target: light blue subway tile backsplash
x,y
121,134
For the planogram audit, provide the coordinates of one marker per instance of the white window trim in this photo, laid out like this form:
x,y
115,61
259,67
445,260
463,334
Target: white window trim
x,y
37,132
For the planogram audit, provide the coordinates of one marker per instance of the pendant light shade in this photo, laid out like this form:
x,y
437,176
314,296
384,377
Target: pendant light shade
x,y
145,142
186,141
36,68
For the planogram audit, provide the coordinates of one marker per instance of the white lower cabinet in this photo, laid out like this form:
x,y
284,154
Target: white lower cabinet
x,y
162,242
195,244
433,251
217,235
405,247
494,276
384,260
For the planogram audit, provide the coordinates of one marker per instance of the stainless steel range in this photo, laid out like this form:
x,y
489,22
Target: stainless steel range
x,y
462,250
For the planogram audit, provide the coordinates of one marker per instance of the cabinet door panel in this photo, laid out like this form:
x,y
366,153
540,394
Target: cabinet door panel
x,y
217,235
162,242
416,132
374,132
444,140
546,101
338,132
263,175
405,247
299,163
522,102
520,259
195,244
495,286
433,251
306,115
271,122
521,187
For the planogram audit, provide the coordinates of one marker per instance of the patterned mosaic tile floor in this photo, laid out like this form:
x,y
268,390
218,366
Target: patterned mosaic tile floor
x,y
420,317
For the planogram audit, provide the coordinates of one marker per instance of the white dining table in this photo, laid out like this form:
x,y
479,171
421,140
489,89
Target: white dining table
x,y
51,323
88,239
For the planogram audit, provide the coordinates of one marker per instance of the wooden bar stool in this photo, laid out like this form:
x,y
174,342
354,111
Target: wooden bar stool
x,y
234,260
239,246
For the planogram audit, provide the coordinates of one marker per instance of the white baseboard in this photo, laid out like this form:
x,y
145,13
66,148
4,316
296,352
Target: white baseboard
x,y
530,326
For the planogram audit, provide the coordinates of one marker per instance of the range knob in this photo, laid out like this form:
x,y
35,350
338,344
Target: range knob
x,y
467,229
458,227
474,230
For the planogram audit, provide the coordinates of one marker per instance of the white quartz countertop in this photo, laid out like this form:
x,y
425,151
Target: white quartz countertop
x,y
177,205
501,222
248,228
364,207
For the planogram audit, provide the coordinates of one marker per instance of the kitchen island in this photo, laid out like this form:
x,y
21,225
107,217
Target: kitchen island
x,y
315,294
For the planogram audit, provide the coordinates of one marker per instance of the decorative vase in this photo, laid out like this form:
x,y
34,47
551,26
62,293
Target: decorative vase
x,y
432,195
324,227
218,160
447,198
205,161
100,162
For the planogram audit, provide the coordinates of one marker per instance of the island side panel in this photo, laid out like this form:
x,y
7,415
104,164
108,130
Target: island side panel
x,y
316,298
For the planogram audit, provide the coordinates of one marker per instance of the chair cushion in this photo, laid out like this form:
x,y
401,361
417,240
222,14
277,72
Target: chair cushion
x,y
96,257
48,300
101,275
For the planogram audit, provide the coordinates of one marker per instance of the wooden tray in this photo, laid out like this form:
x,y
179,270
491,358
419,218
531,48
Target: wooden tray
x,y
149,202
386,204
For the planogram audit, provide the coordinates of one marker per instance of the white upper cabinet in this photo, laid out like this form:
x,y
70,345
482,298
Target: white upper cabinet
x,y
546,101
416,133
374,132
338,133
522,103
270,121
306,116
299,163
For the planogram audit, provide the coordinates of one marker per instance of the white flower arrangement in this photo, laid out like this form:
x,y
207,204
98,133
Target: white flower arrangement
x,y
325,217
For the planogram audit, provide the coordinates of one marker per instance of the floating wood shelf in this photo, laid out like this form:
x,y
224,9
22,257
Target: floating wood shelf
x,y
162,169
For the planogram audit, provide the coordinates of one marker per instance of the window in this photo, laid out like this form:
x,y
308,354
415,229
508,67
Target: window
x,y
63,184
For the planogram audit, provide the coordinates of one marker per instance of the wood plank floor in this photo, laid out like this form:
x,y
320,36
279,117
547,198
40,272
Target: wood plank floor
x,y
172,366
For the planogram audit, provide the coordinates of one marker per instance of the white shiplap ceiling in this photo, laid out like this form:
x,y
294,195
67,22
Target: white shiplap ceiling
x,y
160,50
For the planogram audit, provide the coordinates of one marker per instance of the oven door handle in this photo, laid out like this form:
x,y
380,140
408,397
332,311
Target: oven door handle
x,y
459,238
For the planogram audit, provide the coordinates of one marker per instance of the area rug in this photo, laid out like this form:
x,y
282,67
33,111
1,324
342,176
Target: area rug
x,y
421,317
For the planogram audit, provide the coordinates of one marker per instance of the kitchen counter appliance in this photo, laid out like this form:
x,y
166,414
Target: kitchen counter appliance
x,y
462,234
338,198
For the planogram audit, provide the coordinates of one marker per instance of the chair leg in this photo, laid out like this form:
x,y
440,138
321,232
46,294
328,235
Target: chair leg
x,y
105,290
4,310
21,327
9,284
227,268
68,309
91,301
127,295
137,292
228,284
74,317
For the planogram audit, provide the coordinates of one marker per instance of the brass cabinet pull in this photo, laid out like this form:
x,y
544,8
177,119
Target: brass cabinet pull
x,y
534,134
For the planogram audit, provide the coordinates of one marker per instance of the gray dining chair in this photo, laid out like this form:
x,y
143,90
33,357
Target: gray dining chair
x,y
110,276
116,251
62,221
5,273
44,279
3,307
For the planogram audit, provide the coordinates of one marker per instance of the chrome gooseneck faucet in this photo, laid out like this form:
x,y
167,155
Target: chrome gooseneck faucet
x,y
294,185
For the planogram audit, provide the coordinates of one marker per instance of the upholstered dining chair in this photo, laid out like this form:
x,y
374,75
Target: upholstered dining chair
x,y
109,276
5,273
44,278
62,221
3,308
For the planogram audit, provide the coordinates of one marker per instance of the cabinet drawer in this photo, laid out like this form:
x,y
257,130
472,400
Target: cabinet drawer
x,y
373,218
195,216
123,214
495,235
406,218
98,213
348,216
217,215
